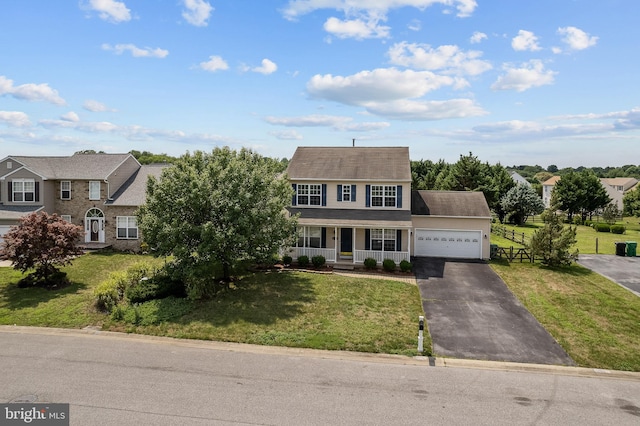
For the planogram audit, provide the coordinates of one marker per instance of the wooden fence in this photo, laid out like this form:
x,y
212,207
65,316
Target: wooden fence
x,y
512,254
516,237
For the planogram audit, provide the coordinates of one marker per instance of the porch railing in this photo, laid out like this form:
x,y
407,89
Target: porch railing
x,y
329,254
379,256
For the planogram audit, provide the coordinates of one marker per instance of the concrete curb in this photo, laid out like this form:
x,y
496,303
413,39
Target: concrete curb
x,y
94,332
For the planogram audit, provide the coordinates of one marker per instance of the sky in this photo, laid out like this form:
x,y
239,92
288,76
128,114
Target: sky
x,y
514,82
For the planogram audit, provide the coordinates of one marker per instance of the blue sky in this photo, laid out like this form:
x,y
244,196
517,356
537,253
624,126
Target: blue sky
x,y
515,82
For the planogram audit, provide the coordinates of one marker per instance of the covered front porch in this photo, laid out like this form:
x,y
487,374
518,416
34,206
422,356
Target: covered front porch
x,y
351,236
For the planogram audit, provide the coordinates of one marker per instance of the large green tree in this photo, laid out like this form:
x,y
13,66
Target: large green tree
x,y
521,202
579,193
631,202
500,183
217,208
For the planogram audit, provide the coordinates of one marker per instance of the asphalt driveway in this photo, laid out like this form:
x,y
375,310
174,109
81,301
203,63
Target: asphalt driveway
x,y
472,314
620,269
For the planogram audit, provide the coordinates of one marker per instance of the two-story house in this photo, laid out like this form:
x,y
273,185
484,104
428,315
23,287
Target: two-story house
x,y
99,192
356,202
616,188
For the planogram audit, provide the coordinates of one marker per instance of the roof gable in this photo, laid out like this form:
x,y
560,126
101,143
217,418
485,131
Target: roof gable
x,y
449,203
351,163
75,167
134,191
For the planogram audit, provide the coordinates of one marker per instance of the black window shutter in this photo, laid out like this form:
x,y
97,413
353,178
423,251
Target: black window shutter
x,y
10,190
324,194
399,240
323,237
399,196
367,190
367,239
339,192
295,193
353,193
37,189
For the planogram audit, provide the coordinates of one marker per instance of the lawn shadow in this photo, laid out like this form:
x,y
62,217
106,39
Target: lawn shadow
x,y
262,298
19,298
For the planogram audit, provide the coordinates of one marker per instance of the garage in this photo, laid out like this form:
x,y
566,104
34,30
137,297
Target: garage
x,y
458,244
451,224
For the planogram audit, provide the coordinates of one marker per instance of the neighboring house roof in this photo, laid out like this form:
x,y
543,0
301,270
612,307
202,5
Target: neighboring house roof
x,y
133,191
518,178
625,182
551,181
449,203
350,163
16,212
77,166
353,217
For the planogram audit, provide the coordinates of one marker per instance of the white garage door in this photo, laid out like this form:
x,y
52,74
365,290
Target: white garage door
x,y
3,230
448,243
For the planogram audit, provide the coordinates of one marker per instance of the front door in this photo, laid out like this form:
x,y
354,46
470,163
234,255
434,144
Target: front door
x,y
94,229
94,226
346,240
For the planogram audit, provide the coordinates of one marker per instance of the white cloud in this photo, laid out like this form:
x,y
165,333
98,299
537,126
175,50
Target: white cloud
x,y
356,28
530,74
525,40
70,116
14,118
477,37
449,58
109,10
577,39
30,91
334,122
415,25
267,67
215,63
95,106
287,135
412,110
197,12
135,51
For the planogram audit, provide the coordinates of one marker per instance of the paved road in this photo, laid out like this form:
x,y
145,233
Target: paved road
x,y
472,314
620,269
113,379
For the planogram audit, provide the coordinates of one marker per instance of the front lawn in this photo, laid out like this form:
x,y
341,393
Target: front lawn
x,y
596,321
287,309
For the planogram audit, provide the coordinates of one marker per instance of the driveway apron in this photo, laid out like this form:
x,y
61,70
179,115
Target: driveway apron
x,y
622,270
472,314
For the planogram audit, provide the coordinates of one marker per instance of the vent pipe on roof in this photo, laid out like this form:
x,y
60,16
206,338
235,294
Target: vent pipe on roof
x,y
353,142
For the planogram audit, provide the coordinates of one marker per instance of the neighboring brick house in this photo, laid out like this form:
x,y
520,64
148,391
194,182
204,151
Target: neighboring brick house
x,y
99,192
356,202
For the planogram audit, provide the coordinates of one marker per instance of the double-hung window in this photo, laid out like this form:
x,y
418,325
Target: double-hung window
x,y
310,236
309,194
23,190
383,195
94,190
383,239
127,227
65,190
346,192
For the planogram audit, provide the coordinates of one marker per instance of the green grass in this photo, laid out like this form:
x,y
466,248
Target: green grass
x,y
586,236
596,321
287,309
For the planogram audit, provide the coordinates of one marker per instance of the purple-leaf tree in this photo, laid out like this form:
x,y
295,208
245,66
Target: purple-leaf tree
x,y
43,242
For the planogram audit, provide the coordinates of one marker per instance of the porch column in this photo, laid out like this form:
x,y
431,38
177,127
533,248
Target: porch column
x,y
409,242
353,245
336,252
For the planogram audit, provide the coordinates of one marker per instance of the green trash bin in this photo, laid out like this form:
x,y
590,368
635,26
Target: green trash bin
x,y
494,250
631,248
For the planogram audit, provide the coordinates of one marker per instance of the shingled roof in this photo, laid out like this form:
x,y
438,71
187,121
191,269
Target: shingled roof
x,y
351,163
77,166
449,203
133,192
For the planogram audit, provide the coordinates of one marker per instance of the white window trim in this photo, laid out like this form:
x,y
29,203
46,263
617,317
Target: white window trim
x,y
306,233
383,238
346,192
23,192
66,217
383,197
127,227
62,190
305,190
92,183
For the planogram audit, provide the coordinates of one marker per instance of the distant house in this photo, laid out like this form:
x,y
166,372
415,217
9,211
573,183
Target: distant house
x,y
518,179
615,188
356,202
99,192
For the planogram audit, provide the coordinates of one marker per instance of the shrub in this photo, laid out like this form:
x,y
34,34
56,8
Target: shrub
x,y
588,223
405,266
303,261
286,260
389,265
370,263
602,227
577,220
618,229
318,261
106,294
